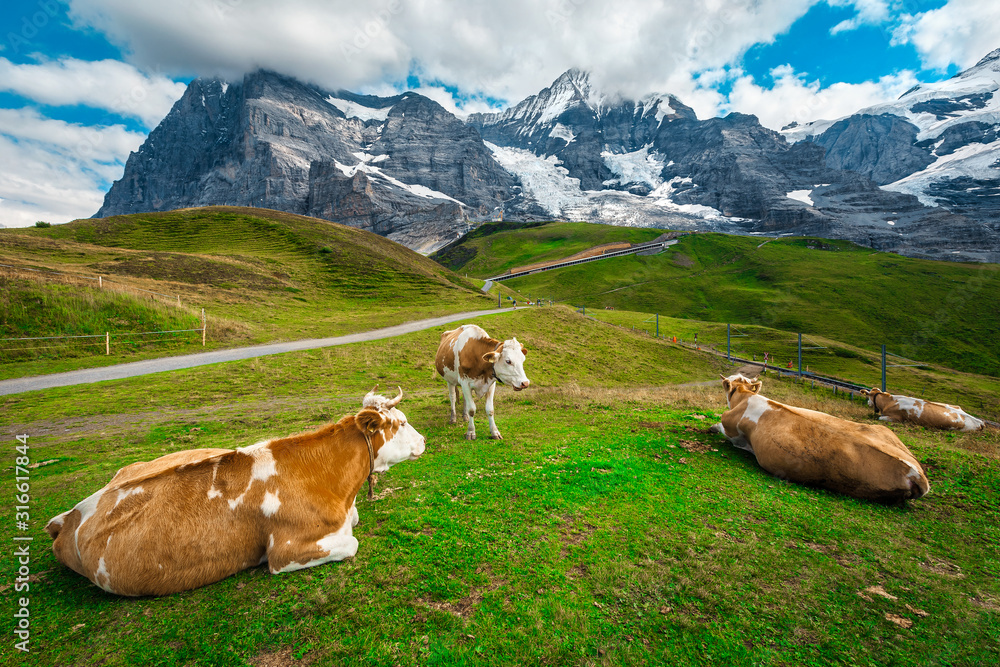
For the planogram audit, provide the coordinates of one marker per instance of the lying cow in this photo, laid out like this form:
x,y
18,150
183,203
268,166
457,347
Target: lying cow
x,y
191,518
468,358
893,407
816,448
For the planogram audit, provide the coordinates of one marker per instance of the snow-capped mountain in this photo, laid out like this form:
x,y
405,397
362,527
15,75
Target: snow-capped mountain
x,y
938,142
400,166
652,162
406,168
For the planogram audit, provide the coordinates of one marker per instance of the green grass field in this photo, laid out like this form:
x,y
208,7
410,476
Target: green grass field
x,y
928,311
607,528
260,275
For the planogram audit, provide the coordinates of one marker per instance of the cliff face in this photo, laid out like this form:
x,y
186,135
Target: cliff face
x,y
400,166
652,162
919,177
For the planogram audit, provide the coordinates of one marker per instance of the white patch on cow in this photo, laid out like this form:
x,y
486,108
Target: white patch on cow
x,y
271,503
57,521
971,423
102,577
914,407
338,545
469,331
509,368
756,406
213,492
405,444
122,495
264,468
86,507
914,472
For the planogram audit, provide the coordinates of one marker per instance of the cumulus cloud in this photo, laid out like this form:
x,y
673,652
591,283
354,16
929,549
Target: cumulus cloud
x,y
56,171
111,85
794,99
869,12
959,33
486,49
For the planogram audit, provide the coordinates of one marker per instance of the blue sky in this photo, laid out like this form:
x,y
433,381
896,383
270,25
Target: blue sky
x,y
83,81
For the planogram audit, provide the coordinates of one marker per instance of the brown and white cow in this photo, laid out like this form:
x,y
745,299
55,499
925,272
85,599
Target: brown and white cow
x,y
191,518
861,460
896,408
468,358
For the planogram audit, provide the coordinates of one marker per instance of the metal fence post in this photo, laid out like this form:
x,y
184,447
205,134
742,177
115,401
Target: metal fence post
x,y
729,356
800,355
883,368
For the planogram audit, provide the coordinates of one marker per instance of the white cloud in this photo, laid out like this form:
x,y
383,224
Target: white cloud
x,y
486,49
104,84
870,12
56,171
959,33
793,98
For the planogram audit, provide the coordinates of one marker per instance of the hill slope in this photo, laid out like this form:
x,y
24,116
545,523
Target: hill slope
x,y
926,310
266,275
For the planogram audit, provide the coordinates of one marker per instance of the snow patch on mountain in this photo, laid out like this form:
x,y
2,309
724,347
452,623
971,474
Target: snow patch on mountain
x,y
359,111
976,161
542,178
375,172
549,184
801,195
560,131
638,166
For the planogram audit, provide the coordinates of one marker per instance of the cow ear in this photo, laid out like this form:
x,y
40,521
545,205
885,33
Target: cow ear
x,y
491,357
369,420
524,351
755,387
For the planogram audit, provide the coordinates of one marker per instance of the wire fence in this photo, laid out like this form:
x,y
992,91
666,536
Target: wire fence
x,y
27,347
100,281
124,341
839,366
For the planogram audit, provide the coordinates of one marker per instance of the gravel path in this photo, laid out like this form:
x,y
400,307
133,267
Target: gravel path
x,y
88,375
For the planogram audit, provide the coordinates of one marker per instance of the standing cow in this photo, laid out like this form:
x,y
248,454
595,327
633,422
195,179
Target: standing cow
x,y
893,407
191,518
468,358
860,460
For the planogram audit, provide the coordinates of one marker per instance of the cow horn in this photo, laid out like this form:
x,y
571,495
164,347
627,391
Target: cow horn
x,y
394,402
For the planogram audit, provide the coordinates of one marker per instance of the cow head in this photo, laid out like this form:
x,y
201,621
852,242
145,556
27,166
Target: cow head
x,y
402,442
872,393
508,364
733,383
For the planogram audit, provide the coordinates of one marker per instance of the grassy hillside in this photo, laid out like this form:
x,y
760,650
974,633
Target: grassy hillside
x,y
260,275
494,248
929,311
607,528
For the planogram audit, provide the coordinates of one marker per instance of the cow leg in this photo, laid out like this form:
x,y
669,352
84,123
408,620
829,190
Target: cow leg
x,y
494,431
470,411
738,441
291,552
452,397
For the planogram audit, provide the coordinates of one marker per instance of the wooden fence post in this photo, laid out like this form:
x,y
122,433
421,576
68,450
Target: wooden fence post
x,y
107,343
100,282
203,327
